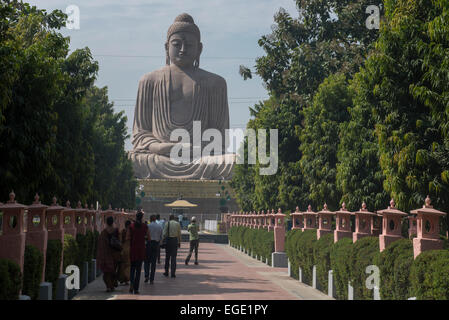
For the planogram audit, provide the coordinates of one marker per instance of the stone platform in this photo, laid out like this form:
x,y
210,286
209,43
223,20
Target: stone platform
x,y
159,192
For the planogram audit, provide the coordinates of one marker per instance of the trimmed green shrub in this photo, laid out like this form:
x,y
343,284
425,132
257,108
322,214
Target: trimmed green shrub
x,y
53,262
82,257
70,251
10,280
429,275
321,258
394,264
32,271
291,243
340,262
258,241
364,253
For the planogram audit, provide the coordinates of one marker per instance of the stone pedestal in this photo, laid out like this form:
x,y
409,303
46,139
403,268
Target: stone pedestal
x,y
422,244
391,225
428,229
69,220
13,237
309,219
340,234
362,223
279,260
37,234
45,291
324,222
55,219
61,289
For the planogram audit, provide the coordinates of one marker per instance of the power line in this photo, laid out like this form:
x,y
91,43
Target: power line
x,y
144,56
230,98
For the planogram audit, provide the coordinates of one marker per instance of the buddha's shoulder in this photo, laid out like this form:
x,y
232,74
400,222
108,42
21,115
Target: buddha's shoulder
x,y
211,79
153,75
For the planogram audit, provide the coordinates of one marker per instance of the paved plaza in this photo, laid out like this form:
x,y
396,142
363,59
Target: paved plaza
x,y
223,273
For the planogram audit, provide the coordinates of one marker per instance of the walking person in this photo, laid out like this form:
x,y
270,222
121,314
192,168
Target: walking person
x,y
125,265
162,224
138,232
194,238
109,254
153,246
172,231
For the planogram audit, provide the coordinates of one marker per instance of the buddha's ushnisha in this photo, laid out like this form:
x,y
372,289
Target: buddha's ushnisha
x,y
173,97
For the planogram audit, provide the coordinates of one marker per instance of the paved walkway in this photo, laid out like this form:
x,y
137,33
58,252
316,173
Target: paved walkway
x,y
223,273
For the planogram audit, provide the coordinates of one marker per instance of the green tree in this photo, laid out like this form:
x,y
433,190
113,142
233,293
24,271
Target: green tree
x,y
320,138
408,99
328,37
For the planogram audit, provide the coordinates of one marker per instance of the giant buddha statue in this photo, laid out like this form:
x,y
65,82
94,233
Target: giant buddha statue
x,y
174,97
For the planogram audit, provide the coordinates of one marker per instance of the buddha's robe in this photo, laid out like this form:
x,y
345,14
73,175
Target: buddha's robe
x,y
153,123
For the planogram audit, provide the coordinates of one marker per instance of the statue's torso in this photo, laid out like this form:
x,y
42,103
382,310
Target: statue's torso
x,y
181,97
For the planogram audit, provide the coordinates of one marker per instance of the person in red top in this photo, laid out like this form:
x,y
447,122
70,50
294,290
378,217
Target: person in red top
x,y
138,232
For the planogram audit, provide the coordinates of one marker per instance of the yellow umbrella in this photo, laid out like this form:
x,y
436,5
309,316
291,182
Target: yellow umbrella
x,y
181,204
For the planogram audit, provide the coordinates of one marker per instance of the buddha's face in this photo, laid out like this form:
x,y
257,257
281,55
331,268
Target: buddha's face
x,y
183,49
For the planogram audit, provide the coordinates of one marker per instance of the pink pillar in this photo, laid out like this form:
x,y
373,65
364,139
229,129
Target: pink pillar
x,y
428,236
55,227
12,240
325,222
37,234
342,224
69,220
296,220
309,219
279,232
271,217
362,223
412,230
89,218
391,225
80,216
375,225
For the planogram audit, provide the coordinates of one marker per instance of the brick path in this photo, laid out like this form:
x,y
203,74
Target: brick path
x,y
223,273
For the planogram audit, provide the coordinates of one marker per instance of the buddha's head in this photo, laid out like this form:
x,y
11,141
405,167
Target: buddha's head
x,y
183,47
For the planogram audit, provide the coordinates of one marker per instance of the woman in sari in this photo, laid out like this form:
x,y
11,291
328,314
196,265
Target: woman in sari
x,y
125,265
107,257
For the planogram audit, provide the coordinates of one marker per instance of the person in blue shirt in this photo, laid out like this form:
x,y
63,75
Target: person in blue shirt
x,y
152,248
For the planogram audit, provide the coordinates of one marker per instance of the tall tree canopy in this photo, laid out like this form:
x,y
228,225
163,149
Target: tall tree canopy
x,y
60,135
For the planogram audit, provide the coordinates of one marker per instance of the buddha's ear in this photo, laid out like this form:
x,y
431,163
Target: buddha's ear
x,y
200,49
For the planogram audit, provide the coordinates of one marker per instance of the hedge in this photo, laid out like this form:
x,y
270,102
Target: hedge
x,y
82,255
429,275
32,271
364,253
321,258
258,241
70,251
53,262
340,262
394,264
290,248
10,280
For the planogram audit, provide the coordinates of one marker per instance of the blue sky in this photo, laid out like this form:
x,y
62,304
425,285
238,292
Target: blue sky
x,y
127,39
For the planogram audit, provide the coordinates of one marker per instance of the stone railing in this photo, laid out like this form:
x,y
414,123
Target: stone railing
x,y
424,223
37,223
385,224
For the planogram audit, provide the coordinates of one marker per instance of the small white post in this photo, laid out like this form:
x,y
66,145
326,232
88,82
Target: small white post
x,y
289,272
314,277
330,284
300,274
376,293
350,291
